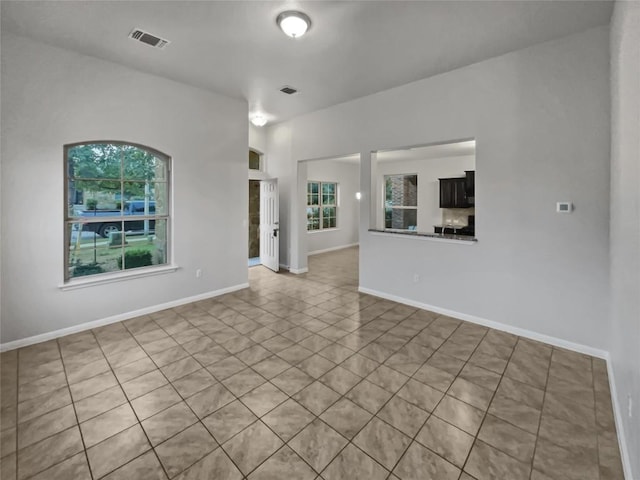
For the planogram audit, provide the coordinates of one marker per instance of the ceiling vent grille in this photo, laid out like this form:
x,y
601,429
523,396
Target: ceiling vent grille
x,y
148,38
288,90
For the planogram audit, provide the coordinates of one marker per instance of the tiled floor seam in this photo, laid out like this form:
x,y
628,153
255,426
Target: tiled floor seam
x,y
544,397
75,412
486,412
134,412
48,436
441,399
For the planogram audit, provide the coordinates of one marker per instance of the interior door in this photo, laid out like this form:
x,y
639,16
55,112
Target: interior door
x,y
269,225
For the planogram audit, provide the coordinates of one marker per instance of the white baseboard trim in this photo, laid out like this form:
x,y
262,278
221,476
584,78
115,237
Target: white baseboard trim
x,y
557,342
332,249
617,415
43,337
298,271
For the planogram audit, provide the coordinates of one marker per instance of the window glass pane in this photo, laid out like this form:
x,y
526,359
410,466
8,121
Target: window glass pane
x,y
91,254
328,193
313,197
254,160
328,217
401,218
328,188
146,250
142,165
313,218
101,160
401,190
96,197
160,254
313,187
135,194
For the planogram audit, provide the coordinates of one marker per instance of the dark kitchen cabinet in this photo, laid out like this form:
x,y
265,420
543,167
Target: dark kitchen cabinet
x,y
453,193
470,183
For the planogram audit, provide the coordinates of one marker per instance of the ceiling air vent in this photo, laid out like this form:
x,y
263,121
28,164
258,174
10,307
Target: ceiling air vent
x,y
288,90
148,38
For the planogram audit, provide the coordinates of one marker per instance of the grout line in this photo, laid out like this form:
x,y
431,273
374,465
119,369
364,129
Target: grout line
x,y
75,412
544,397
476,439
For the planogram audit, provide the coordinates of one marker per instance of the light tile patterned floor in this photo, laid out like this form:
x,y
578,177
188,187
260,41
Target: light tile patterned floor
x,y
301,377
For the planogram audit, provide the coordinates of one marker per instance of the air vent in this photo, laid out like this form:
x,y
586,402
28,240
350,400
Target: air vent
x,y
288,90
148,38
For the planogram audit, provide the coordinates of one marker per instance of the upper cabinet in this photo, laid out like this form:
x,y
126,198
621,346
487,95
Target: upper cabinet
x,y
458,192
470,185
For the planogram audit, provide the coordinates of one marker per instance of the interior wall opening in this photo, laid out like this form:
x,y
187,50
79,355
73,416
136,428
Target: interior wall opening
x,y
332,205
425,190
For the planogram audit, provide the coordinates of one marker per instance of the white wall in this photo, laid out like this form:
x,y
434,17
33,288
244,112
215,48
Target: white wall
x,y
625,222
540,117
51,97
347,176
429,170
257,138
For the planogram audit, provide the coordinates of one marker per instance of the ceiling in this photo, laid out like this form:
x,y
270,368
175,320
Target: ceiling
x,y
353,49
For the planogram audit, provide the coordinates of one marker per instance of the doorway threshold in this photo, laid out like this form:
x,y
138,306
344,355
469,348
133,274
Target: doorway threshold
x,y
254,261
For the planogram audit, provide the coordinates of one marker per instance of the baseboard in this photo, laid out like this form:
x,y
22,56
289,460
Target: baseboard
x,y
617,415
43,337
298,271
522,332
557,342
332,249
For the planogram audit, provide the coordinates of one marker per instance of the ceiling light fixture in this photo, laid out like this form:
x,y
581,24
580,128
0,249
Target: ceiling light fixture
x,y
293,23
259,120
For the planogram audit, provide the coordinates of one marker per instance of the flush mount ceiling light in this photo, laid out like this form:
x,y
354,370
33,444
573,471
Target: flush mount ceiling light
x,y
259,120
293,23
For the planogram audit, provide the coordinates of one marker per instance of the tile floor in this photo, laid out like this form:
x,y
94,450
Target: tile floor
x,y
300,377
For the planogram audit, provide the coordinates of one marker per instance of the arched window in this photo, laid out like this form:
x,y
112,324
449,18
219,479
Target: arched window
x,y
117,208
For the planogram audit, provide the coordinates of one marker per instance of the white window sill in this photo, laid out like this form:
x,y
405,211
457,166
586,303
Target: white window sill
x,y
105,278
323,230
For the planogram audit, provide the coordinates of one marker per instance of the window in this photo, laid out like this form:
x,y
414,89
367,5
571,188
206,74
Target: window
x,y
254,160
401,202
117,208
322,205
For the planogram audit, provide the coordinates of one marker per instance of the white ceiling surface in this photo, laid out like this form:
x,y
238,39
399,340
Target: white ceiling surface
x,y
353,49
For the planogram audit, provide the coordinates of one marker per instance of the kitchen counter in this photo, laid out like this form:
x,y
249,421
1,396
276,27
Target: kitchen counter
x,y
426,235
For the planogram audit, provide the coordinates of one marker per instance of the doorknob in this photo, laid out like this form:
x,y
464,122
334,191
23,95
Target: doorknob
x,y
275,232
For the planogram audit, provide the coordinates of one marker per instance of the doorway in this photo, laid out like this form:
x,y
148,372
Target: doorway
x,y
331,206
254,223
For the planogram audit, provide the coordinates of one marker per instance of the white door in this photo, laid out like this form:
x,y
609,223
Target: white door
x,y
269,225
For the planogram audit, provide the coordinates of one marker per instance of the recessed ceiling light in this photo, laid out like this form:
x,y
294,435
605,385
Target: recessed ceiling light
x,y
293,23
259,120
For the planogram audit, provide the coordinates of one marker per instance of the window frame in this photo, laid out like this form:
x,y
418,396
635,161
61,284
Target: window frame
x,y
397,207
322,205
68,222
